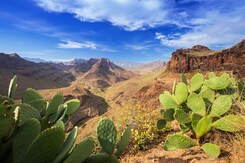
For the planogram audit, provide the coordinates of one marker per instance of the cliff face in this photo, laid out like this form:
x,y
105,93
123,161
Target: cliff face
x,y
203,59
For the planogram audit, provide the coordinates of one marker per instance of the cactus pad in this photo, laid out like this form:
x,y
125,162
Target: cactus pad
x,y
181,93
7,121
221,105
56,101
101,158
196,104
124,141
175,141
217,83
107,135
212,150
12,87
181,116
24,137
167,101
168,115
72,106
161,123
196,82
203,126
230,123
81,151
26,113
46,145
207,93
39,104
31,95
70,140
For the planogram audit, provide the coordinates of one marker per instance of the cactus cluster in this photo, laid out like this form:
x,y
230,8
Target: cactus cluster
x,y
34,131
200,106
107,136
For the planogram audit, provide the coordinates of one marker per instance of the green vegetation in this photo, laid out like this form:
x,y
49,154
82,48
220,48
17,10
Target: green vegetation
x,y
34,131
199,107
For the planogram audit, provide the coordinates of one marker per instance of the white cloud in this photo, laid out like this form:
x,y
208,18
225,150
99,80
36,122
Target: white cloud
x,y
128,14
215,29
109,50
76,45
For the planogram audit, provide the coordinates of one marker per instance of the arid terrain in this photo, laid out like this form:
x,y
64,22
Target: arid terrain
x,y
104,88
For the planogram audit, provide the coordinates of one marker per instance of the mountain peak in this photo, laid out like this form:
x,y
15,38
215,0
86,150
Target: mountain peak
x,y
200,48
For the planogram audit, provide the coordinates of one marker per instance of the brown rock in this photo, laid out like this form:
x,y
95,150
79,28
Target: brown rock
x,y
203,59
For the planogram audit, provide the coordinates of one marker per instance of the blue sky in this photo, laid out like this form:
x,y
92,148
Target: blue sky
x,y
124,30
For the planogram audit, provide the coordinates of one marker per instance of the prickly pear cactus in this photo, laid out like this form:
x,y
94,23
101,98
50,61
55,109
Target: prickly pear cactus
x,y
124,141
197,105
107,135
7,120
46,145
12,87
212,150
81,151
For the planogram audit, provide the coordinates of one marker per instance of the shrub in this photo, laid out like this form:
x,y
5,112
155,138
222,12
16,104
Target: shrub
x,y
142,120
200,106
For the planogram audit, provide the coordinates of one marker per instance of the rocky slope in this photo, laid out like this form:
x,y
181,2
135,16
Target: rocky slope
x,y
101,72
203,59
30,74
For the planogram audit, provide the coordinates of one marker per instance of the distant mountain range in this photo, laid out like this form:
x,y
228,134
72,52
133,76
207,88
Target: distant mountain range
x,y
99,73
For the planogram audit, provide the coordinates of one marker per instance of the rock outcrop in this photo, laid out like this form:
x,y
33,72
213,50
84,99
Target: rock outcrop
x,y
203,59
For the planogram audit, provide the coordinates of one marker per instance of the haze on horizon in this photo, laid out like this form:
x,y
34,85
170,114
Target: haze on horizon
x,y
122,30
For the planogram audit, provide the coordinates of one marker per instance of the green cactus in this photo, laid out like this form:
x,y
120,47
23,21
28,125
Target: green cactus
x,y
168,115
184,127
203,126
175,141
161,123
181,116
56,101
107,135
207,93
70,140
195,118
230,123
167,100
181,93
196,82
211,75
7,120
60,114
196,104
72,106
217,83
221,105
46,145
101,158
26,113
6,99
211,149
207,100
39,104
81,151
31,95
12,87
24,137
124,141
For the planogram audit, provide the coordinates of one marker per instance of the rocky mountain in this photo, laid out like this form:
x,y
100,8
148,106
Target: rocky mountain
x,y
102,72
30,74
36,60
141,68
203,59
